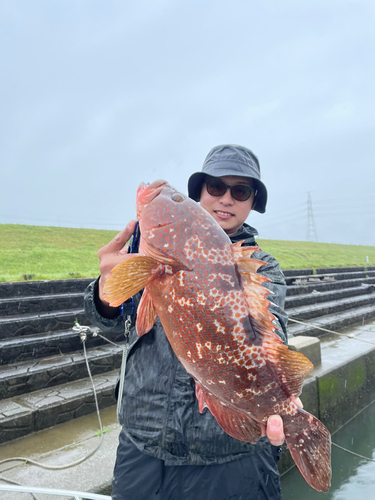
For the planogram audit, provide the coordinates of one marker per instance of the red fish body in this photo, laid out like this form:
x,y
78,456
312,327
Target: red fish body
x,y
214,310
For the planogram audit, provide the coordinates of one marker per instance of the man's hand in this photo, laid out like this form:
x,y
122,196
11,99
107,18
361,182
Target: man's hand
x,y
275,428
111,255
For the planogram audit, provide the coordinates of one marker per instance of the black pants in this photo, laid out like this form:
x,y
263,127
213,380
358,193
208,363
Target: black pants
x,y
141,477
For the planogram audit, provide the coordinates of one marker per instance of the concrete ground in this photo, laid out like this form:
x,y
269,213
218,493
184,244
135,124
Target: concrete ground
x,y
68,442
62,445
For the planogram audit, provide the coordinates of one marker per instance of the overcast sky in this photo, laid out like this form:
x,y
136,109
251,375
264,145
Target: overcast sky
x,y
97,96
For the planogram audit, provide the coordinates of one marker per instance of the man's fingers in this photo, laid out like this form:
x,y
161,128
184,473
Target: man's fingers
x,y
275,430
118,242
112,254
275,427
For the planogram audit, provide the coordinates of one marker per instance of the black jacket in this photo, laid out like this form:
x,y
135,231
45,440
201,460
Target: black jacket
x,y
159,408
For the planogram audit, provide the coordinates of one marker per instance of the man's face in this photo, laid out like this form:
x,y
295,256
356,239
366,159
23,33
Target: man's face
x,y
228,212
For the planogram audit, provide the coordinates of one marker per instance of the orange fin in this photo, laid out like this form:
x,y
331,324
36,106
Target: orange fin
x,y
309,443
242,256
128,278
256,294
164,258
200,397
146,314
237,424
289,367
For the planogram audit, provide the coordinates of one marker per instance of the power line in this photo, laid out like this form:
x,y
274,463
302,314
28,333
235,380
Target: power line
x,y
300,220
311,234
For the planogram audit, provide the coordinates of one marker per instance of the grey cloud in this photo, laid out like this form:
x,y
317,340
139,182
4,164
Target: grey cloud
x,y
99,96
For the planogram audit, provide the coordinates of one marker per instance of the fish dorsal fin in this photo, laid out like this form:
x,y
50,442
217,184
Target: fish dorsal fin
x,y
128,278
256,295
290,367
146,314
242,257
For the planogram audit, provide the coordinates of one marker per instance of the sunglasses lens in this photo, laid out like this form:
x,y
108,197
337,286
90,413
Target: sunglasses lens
x,y
241,193
216,188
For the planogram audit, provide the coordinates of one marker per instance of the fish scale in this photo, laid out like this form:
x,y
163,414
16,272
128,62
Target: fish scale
x,y
214,310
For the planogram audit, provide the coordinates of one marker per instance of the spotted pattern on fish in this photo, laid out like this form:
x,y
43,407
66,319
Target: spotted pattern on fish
x,y
214,310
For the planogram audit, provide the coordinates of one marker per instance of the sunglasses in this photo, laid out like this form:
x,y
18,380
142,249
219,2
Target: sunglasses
x,y
239,192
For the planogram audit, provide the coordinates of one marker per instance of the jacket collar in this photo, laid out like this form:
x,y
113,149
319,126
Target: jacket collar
x,y
246,233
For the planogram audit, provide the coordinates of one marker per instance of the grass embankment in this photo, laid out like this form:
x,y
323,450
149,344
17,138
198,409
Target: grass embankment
x,y
38,252
307,255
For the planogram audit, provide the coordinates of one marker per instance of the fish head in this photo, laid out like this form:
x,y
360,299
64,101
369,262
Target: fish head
x,y
153,201
172,223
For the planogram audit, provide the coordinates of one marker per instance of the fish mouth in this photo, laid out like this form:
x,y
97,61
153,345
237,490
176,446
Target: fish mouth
x,y
148,192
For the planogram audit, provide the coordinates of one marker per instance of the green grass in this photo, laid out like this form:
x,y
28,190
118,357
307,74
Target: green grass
x,y
45,253
104,431
307,255
49,252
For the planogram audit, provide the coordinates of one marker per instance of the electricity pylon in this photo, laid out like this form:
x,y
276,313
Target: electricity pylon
x,y
311,234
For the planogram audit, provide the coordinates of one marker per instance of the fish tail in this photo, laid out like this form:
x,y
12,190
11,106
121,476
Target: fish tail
x,y
309,443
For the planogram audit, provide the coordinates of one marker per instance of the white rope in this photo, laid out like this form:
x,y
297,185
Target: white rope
x,y
349,335
346,423
82,331
352,453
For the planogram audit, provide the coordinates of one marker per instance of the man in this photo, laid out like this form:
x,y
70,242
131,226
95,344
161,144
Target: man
x,y
167,449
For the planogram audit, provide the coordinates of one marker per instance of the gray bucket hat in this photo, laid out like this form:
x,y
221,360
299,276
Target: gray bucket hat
x,y
230,159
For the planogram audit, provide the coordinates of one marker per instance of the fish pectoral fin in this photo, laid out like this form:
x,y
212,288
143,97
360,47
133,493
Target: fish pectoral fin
x,y
238,424
146,314
128,278
309,443
289,367
162,258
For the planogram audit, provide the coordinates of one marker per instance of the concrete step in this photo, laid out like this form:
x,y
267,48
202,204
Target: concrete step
x,y
304,289
33,324
297,272
18,349
312,311
40,304
316,297
35,288
328,277
22,415
325,270
29,376
334,322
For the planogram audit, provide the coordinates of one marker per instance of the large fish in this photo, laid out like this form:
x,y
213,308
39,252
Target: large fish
x,y
214,310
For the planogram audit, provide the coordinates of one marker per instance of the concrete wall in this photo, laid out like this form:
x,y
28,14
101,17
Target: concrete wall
x,y
337,395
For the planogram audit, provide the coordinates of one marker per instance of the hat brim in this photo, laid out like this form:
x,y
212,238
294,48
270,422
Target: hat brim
x,y
196,181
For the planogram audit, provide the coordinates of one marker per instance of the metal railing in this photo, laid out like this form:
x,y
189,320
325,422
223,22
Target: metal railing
x,y
77,495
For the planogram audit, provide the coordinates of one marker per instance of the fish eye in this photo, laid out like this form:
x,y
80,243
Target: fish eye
x,y
177,197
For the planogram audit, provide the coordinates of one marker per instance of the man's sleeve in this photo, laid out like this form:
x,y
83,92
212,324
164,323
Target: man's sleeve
x,y
105,324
